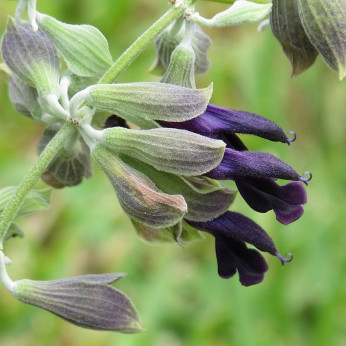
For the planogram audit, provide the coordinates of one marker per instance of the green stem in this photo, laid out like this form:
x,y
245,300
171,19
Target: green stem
x,y
32,176
142,42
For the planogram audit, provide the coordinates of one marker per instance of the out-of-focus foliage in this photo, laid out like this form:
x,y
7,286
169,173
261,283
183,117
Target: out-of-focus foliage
x,y
181,299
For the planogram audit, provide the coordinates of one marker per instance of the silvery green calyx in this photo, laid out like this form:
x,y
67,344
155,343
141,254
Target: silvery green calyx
x,y
24,97
87,301
205,198
137,194
143,103
170,38
325,25
169,150
70,165
32,56
288,29
83,47
241,12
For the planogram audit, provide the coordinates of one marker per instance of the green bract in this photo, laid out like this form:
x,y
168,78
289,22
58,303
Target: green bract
x,y
24,97
32,56
137,194
70,165
325,24
241,12
206,199
288,29
169,150
180,233
83,47
180,70
170,39
87,301
150,101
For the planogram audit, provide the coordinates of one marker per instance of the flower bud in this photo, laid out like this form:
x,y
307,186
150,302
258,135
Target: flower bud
x,y
87,301
170,38
288,29
32,56
325,25
180,70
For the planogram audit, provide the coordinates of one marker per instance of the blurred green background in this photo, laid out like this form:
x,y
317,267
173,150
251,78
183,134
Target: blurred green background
x,y
177,291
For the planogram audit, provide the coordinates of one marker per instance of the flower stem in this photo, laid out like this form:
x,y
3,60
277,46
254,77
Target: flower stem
x,y
32,176
143,41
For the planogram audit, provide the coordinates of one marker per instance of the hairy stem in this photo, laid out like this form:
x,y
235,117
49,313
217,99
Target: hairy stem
x,y
32,176
143,41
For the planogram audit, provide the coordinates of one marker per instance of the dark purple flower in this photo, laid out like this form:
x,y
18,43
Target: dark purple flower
x,y
219,122
264,194
253,172
231,231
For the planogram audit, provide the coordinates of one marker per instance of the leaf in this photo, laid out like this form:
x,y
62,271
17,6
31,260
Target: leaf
x,y
36,200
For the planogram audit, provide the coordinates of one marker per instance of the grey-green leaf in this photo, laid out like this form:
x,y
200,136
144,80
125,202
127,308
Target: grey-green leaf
x,y
151,101
137,194
32,56
71,164
288,29
170,150
84,47
86,301
325,24
36,200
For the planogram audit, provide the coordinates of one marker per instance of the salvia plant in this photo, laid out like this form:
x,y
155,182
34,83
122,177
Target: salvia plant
x,y
164,147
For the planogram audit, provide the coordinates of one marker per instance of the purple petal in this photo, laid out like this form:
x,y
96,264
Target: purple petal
x,y
240,228
252,164
218,120
265,194
232,254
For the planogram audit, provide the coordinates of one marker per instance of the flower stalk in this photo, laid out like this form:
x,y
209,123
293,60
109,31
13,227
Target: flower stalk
x,y
143,41
32,177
